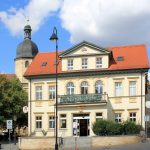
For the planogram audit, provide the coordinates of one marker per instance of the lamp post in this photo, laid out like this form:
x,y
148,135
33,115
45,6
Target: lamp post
x,y
55,38
15,118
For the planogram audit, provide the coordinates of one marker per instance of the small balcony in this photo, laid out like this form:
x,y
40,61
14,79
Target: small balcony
x,y
83,98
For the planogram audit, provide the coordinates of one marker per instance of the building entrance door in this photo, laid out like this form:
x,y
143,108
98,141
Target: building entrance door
x,y
81,124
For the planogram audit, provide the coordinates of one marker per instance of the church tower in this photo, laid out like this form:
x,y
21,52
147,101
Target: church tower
x,y
26,51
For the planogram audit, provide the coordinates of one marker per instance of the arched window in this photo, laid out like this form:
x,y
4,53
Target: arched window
x,y
99,87
84,87
26,64
70,88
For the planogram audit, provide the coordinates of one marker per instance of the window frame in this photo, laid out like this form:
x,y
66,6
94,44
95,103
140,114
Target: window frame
x,y
98,117
26,64
118,89
132,117
99,62
70,88
70,64
38,92
118,117
99,87
84,88
63,118
132,88
51,122
51,92
84,63
38,122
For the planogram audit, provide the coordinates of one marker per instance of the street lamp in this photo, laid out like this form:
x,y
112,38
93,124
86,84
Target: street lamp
x,y
15,118
55,38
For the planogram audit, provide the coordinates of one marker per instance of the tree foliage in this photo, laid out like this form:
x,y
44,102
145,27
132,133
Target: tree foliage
x,y
12,99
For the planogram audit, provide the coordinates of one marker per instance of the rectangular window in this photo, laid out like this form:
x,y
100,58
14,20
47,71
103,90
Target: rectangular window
x,y
132,88
118,89
84,63
63,121
70,64
38,90
118,117
38,122
51,122
98,62
99,116
133,116
52,92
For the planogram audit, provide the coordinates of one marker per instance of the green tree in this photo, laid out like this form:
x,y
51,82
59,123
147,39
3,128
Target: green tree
x,y
12,99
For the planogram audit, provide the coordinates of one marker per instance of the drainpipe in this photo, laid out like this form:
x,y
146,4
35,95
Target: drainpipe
x,y
30,110
141,99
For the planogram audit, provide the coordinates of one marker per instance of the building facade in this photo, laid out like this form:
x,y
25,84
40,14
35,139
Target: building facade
x,y
93,83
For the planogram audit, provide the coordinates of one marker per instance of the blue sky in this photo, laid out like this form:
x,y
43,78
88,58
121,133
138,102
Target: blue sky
x,y
126,23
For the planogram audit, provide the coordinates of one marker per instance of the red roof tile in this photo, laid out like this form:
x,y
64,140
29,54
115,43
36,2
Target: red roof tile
x,y
134,57
8,76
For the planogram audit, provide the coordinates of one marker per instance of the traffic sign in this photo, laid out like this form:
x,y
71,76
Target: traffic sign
x,y
146,118
148,104
9,124
25,109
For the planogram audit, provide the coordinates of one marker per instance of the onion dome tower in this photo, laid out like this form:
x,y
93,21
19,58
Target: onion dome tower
x,y
26,51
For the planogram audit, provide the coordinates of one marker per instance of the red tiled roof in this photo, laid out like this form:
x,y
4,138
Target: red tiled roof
x,y
8,76
134,57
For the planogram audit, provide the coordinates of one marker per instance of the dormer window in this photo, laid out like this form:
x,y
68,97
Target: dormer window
x,y
84,63
70,64
120,58
98,62
44,64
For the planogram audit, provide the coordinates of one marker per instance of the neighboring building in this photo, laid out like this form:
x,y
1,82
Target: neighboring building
x,y
93,83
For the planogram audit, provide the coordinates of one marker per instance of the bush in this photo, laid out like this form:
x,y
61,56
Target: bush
x,y
114,128
131,128
99,127
107,127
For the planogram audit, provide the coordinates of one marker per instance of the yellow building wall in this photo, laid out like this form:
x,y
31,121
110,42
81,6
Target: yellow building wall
x,y
123,104
85,52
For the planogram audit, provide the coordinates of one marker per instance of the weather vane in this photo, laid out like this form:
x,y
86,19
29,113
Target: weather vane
x,y
27,20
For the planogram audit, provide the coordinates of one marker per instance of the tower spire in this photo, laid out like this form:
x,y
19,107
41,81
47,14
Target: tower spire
x,y
27,30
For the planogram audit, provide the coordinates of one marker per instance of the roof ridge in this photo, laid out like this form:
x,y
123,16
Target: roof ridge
x,y
136,45
49,52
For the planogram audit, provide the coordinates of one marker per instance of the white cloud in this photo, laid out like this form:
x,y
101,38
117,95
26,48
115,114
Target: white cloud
x,y
36,11
107,22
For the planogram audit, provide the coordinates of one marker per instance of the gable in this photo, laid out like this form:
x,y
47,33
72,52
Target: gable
x,y
85,48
